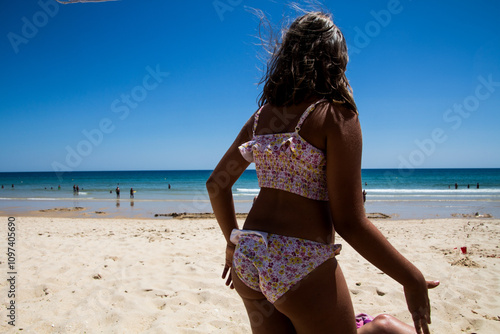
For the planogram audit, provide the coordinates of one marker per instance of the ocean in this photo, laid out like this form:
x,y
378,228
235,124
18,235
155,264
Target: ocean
x,y
403,193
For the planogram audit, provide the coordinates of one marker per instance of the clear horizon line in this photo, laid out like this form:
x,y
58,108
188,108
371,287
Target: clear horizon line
x,y
188,170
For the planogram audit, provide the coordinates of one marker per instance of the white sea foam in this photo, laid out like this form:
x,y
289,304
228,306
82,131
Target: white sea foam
x,y
436,191
250,191
42,199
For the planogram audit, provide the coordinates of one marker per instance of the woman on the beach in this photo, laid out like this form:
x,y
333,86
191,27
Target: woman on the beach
x,y
305,141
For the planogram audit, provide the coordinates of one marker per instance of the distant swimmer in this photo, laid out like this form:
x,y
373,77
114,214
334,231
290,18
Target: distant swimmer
x,y
477,186
117,191
132,192
456,186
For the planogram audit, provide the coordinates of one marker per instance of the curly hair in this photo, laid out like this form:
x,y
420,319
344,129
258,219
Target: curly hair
x,y
309,62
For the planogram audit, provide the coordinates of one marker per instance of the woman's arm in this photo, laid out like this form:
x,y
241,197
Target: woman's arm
x,y
344,146
219,184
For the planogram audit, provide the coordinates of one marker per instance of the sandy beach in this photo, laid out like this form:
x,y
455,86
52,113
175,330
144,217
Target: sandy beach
x,y
102,275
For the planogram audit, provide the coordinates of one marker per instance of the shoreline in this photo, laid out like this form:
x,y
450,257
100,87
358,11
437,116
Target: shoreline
x,y
134,275
162,209
71,213
84,213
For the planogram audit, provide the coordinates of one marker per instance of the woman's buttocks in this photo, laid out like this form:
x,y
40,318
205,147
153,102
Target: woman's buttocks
x,y
280,212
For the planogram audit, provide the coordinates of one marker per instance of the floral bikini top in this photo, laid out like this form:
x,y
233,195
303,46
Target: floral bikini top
x,y
286,161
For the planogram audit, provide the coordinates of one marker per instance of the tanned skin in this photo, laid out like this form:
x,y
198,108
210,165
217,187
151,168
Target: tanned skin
x,y
321,302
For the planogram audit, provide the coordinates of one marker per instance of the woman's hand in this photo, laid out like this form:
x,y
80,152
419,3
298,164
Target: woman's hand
x,y
227,266
417,299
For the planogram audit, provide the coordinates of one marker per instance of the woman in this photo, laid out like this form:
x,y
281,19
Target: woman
x,y
306,143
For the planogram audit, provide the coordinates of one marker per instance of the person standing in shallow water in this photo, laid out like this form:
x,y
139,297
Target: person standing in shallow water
x,y
309,170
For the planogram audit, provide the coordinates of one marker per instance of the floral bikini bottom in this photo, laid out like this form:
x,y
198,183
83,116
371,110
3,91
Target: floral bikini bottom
x,y
273,263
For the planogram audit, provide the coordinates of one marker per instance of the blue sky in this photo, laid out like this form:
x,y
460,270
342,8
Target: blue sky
x,y
127,86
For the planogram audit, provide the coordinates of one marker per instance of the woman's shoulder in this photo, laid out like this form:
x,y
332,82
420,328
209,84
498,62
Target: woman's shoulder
x,y
334,114
338,123
339,109
251,123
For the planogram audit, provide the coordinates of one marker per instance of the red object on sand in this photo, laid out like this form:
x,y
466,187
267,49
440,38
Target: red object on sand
x,y
464,250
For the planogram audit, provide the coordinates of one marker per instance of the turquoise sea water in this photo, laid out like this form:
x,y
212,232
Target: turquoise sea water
x,y
407,193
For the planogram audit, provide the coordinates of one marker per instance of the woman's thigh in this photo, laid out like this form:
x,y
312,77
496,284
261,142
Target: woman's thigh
x,y
264,317
320,303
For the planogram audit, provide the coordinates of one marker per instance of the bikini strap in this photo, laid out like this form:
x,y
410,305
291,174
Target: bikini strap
x,y
256,119
306,113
